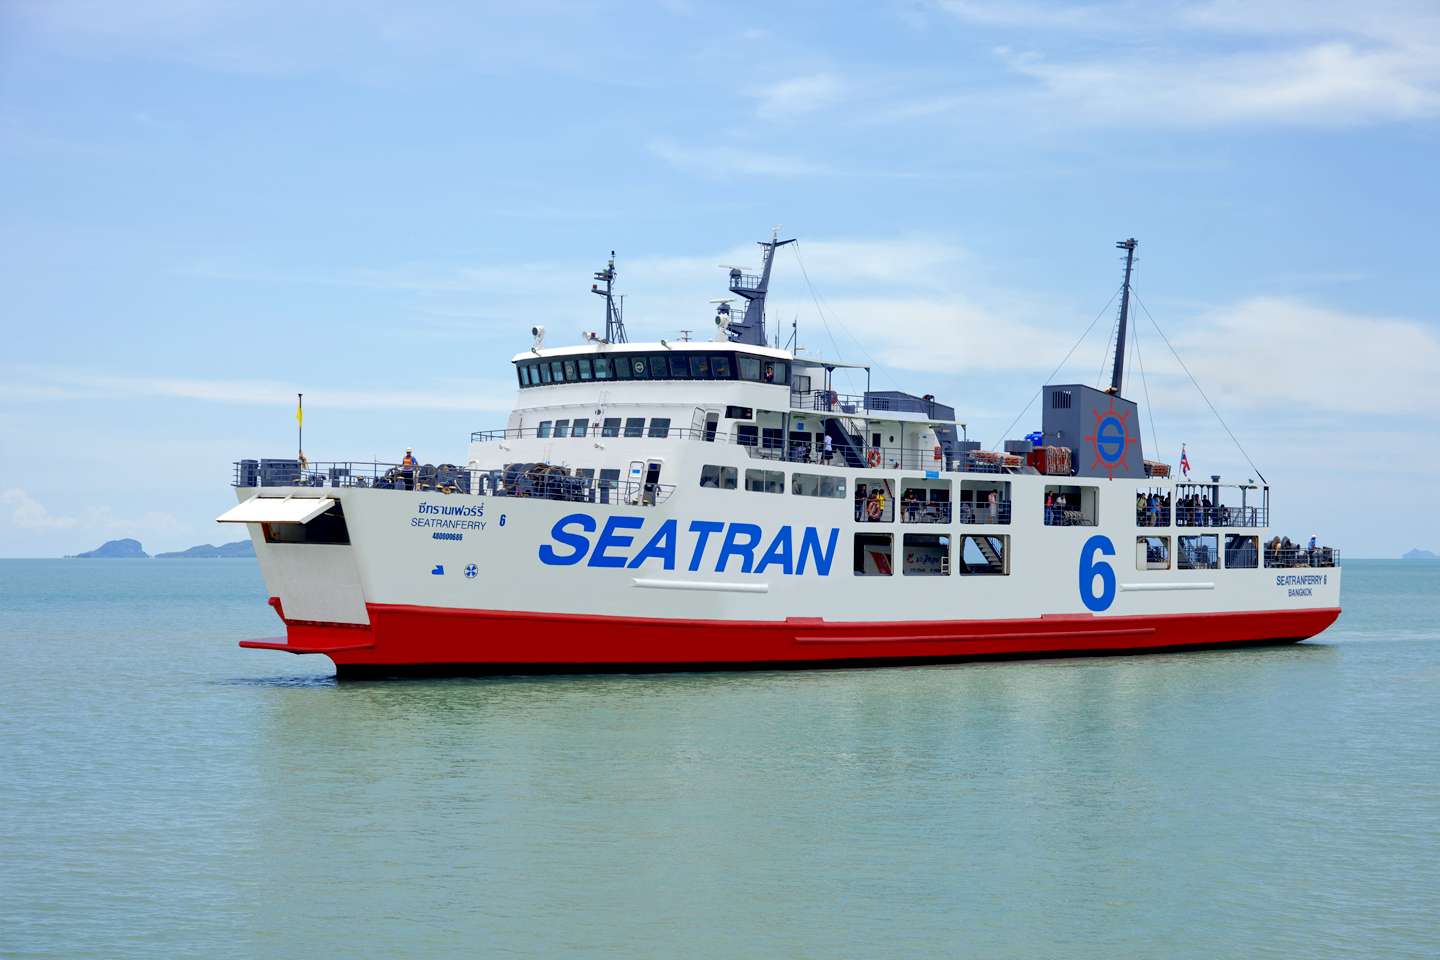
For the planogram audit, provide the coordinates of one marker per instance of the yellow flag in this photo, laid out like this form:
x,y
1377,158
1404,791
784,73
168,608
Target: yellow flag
x,y
300,414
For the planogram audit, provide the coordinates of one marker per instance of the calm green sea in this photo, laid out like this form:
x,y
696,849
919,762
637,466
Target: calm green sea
x,y
165,794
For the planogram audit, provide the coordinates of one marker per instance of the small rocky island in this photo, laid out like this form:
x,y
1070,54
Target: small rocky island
x,y
1420,555
131,549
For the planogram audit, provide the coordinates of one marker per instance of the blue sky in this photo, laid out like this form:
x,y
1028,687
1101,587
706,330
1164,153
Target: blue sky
x,y
207,207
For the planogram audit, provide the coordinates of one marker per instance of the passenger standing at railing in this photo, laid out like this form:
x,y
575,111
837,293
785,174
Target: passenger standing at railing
x,y
994,499
1050,509
829,450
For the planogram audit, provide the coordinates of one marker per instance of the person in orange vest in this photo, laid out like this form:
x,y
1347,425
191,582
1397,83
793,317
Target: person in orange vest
x,y
407,469
409,463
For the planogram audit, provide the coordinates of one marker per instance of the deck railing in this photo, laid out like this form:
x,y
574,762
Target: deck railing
x,y
1295,556
1223,516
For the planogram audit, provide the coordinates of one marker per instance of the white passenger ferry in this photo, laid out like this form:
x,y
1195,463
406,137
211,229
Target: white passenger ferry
x,y
718,504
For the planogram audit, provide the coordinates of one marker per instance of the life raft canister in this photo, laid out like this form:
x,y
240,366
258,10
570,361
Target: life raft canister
x,y
874,458
937,453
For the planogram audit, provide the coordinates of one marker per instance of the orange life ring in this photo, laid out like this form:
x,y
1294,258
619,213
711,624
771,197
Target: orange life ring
x,y
874,458
873,509
831,397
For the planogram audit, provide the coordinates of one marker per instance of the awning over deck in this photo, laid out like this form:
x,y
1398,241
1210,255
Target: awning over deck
x,y
277,510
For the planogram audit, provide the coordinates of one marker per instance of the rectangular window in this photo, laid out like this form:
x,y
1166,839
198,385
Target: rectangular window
x,y
520,373
765,481
984,556
611,428
721,367
739,413
1199,553
544,372
609,480
747,435
544,430
984,501
679,366
1241,553
570,371
634,426
578,428
557,371
810,485
660,427
584,366
771,438
718,478
928,501
749,368
775,371
699,368
926,556
602,368
640,366
659,368
800,384
873,555
562,428
622,368
1067,506
1152,553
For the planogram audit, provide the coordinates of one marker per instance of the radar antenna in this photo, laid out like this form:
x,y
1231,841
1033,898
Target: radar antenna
x,y
614,313
1119,371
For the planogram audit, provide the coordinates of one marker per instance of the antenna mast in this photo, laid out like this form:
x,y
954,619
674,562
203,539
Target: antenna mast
x,y
1129,247
614,316
751,329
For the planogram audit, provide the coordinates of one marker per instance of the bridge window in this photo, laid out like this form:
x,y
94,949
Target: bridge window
x,y
722,368
926,556
544,430
1067,506
602,368
749,368
578,428
775,371
620,366
611,427
679,366
1241,553
873,555
984,556
570,370
557,371
634,426
1152,553
1199,553
544,369
659,367
765,481
660,427
718,478
584,367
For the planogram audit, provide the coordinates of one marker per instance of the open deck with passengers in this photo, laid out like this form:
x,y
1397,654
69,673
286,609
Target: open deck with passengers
x,y
721,503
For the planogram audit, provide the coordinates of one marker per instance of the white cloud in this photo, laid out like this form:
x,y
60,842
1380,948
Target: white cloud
x,y
722,160
32,517
791,98
32,383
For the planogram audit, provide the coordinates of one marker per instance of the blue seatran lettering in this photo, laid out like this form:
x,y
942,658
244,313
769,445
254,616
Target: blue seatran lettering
x,y
1090,568
740,542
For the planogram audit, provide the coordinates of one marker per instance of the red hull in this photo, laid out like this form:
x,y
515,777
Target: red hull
x,y
407,640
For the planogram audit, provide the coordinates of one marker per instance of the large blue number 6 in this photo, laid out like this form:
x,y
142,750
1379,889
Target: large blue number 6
x,y
1089,567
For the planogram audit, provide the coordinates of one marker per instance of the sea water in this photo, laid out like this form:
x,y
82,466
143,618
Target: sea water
x,y
166,794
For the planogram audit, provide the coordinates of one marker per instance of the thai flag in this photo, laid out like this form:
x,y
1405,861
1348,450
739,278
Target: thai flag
x,y
1184,461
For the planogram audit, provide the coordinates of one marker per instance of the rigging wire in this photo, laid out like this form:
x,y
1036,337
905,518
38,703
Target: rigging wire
x,y
1149,408
818,300
1062,363
1197,386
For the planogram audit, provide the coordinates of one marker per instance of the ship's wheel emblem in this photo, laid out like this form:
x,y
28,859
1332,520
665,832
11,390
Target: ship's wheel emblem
x,y
1111,439
471,571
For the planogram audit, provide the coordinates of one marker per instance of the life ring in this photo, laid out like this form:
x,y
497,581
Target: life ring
x,y
873,509
873,458
831,397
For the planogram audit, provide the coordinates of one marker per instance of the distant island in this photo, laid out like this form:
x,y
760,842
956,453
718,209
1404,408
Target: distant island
x,y
1420,555
240,548
115,550
131,549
